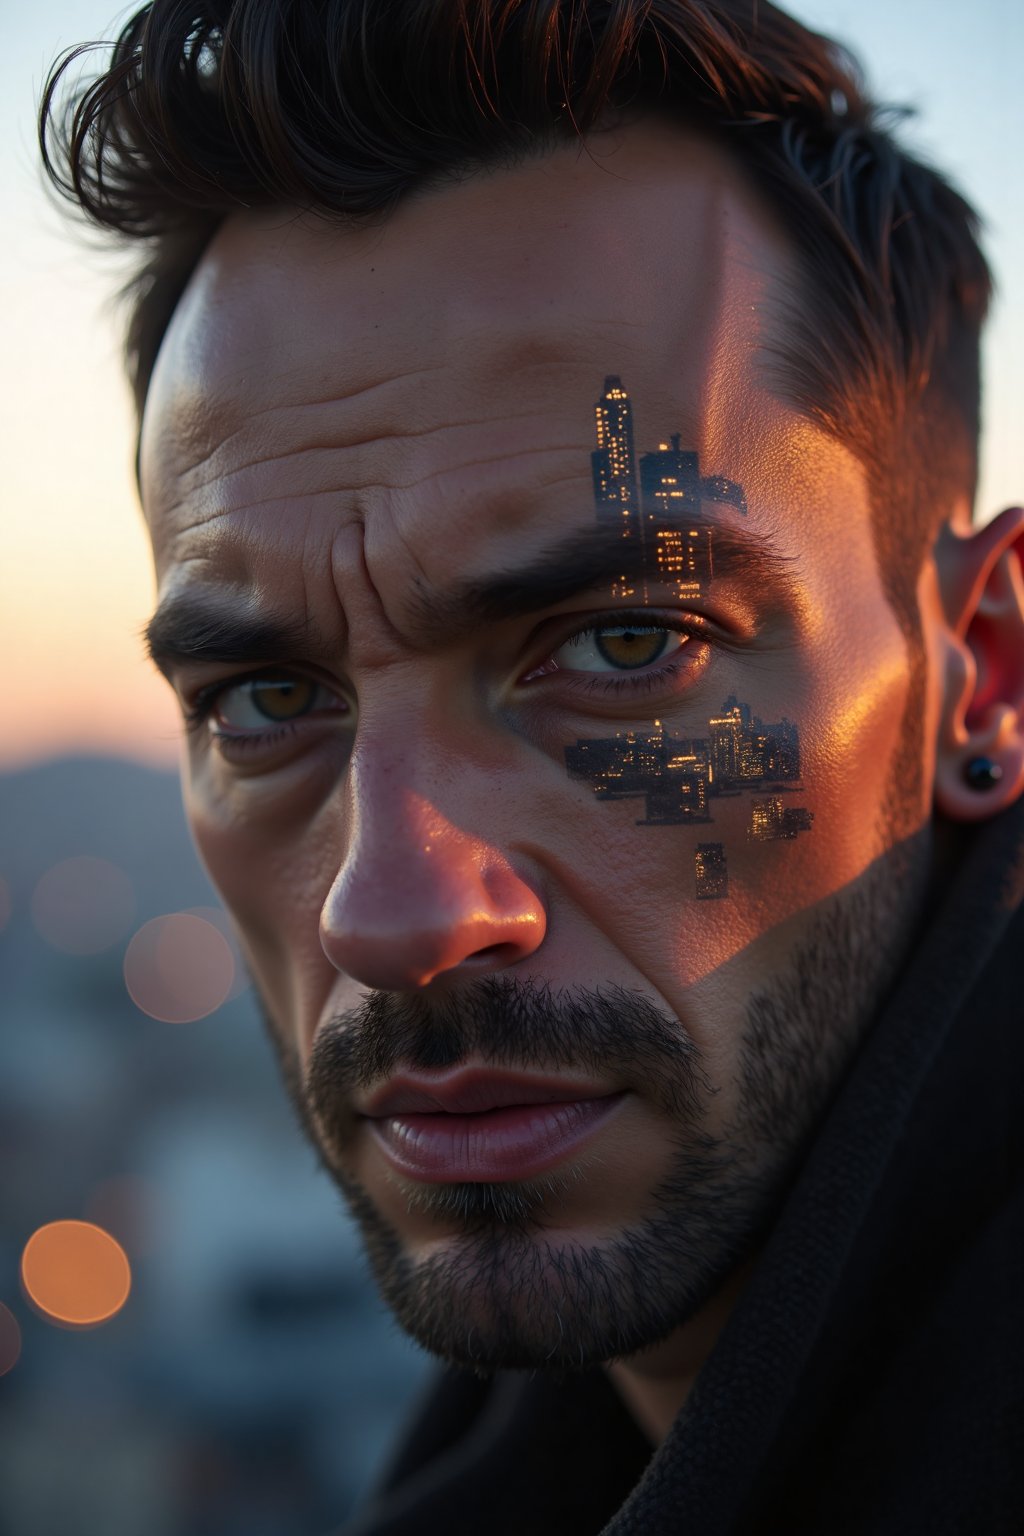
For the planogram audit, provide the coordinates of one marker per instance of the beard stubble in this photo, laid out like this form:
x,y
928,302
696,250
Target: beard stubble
x,y
508,1290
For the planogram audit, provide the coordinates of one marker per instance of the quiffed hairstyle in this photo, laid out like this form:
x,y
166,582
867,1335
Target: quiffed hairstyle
x,y
342,107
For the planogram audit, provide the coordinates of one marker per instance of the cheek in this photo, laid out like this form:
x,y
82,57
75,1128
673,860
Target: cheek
x,y
273,874
681,901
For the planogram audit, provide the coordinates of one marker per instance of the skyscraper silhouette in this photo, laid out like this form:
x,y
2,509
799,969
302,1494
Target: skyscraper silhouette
x,y
614,460
711,872
681,776
670,484
669,480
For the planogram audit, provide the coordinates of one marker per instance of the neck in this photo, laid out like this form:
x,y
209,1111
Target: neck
x,y
655,1384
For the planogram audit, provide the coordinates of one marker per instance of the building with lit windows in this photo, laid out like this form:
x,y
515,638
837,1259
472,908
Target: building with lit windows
x,y
674,798
683,557
680,776
613,462
670,481
710,871
671,484
725,738
766,820
770,820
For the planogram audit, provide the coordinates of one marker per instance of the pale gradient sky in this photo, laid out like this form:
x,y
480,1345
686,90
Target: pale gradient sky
x,y
75,577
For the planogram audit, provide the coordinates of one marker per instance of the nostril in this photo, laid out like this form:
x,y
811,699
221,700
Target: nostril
x,y
490,952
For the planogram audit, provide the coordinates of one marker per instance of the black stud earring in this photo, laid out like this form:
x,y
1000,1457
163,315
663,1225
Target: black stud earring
x,y
982,773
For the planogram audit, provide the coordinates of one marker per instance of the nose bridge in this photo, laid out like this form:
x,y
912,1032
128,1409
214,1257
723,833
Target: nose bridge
x,y
399,832
411,785
419,891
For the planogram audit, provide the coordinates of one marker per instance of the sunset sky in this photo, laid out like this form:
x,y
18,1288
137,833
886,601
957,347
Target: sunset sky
x,y
75,579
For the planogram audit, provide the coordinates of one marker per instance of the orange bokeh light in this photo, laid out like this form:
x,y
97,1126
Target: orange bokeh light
x,y
83,905
10,1340
75,1273
179,968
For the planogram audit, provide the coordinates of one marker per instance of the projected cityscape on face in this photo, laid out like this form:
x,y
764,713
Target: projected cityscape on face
x,y
681,779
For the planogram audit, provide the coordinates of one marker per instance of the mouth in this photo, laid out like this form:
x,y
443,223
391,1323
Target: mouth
x,y
473,1127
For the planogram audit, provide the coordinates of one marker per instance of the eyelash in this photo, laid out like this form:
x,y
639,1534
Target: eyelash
x,y
608,683
605,684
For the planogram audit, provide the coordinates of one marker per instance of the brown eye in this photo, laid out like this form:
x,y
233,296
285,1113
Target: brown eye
x,y
283,699
630,647
619,647
249,706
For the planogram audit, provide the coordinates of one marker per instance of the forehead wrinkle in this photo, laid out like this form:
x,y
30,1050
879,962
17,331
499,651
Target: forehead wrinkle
x,y
195,370
498,310
384,444
704,344
442,523
358,496
232,577
201,522
433,476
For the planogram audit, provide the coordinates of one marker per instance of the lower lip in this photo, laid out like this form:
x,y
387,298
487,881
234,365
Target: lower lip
x,y
517,1142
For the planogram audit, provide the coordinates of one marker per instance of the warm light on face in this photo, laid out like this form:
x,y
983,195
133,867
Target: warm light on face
x,y
83,905
75,1273
179,968
681,778
563,805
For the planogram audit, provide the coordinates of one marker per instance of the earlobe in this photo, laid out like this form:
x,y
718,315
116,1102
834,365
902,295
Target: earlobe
x,y
979,767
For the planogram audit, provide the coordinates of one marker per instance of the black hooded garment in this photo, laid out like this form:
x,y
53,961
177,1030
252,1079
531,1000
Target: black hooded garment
x,y
870,1379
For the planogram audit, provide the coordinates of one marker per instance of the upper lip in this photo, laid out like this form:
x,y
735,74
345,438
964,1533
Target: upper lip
x,y
472,1092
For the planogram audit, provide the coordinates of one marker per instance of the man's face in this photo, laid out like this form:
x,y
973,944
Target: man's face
x,y
354,442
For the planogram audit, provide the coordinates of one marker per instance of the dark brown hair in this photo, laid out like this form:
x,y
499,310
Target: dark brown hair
x,y
343,107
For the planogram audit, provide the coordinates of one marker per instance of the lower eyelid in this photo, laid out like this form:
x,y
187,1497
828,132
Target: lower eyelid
x,y
246,739
272,728
239,747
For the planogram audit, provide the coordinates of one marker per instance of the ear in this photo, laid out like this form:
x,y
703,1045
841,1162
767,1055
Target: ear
x,y
981,583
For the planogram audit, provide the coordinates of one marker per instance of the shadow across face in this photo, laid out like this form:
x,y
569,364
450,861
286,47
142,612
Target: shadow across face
x,y
511,1281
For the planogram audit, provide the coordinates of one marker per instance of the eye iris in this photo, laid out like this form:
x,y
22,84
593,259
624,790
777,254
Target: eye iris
x,y
283,700
628,647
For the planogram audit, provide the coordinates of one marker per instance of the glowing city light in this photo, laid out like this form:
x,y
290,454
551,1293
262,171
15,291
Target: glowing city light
x,y
83,905
10,1340
75,1273
179,968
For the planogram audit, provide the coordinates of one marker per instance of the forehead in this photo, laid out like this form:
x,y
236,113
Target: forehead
x,y
437,370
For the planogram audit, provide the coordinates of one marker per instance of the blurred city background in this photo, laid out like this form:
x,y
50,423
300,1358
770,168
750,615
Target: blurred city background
x,y
221,1366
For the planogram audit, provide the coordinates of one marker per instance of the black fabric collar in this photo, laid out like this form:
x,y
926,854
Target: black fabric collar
x,y
870,1379
919,1156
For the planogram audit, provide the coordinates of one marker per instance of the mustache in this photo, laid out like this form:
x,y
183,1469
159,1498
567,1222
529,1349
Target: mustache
x,y
516,1023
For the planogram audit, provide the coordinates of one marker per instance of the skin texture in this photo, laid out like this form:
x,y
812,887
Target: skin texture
x,y
344,421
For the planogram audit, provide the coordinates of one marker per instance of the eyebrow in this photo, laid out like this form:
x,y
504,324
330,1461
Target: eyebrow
x,y
205,627
587,561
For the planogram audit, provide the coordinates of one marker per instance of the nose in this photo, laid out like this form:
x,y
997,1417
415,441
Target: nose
x,y
418,898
